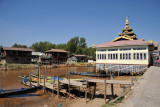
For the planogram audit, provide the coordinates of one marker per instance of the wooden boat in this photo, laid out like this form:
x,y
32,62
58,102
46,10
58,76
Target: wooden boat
x,y
88,74
34,79
6,93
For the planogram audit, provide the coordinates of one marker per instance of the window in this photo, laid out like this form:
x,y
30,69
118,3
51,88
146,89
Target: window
x,y
116,56
101,50
144,56
129,56
139,56
120,56
125,56
109,56
125,49
113,56
141,48
134,56
101,56
112,49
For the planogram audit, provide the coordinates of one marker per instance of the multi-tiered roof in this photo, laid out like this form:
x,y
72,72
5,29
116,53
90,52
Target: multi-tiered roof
x,y
127,33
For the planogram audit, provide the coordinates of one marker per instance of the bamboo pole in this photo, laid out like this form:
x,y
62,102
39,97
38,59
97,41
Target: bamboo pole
x,y
104,91
86,91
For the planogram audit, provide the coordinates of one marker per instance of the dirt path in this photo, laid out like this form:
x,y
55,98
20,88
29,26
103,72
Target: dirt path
x,y
147,91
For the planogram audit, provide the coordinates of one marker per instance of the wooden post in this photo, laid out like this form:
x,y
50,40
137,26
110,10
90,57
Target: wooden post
x,y
38,76
111,74
66,75
104,91
58,88
86,91
30,79
53,83
44,85
79,91
118,70
112,90
69,83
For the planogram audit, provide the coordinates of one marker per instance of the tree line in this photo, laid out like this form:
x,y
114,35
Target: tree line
x,y
76,45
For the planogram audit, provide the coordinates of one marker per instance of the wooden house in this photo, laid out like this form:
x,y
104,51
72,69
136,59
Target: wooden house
x,y
15,55
58,55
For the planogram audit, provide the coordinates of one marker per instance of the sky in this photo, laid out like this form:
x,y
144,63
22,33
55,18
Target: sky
x,y
57,21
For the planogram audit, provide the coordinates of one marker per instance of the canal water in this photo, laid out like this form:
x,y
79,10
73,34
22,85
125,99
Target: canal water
x,y
10,80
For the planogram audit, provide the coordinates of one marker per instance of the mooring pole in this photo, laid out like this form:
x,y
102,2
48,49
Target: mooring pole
x,y
104,91
30,79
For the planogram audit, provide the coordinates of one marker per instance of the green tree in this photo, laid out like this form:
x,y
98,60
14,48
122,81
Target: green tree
x,y
19,46
72,45
42,46
61,46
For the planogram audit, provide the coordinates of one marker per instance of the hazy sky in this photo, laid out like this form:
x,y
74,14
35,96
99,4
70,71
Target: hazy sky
x,y
57,21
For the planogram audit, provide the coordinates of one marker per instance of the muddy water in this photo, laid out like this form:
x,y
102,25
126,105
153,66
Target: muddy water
x,y
10,80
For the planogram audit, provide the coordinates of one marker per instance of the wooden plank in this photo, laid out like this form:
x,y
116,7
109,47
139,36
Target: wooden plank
x,y
111,81
72,82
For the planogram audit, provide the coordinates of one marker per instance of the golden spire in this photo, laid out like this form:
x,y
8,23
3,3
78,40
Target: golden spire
x,y
127,22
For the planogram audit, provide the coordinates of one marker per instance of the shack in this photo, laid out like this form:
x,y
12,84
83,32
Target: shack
x,y
58,55
15,55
